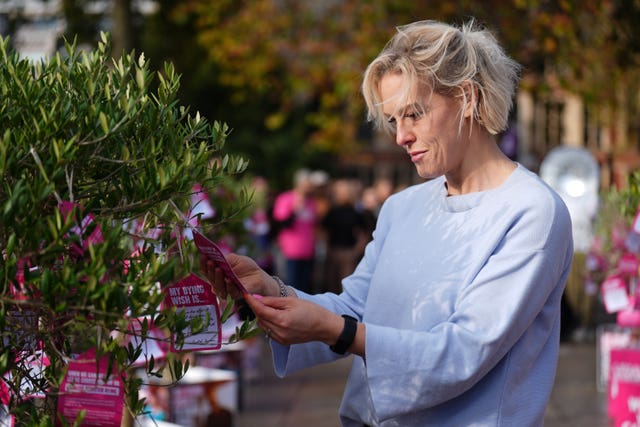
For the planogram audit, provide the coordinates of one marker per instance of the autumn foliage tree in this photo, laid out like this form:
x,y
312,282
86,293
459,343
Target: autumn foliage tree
x,y
302,61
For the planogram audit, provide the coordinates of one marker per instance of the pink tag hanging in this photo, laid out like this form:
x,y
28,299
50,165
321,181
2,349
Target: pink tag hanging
x,y
84,388
628,264
614,294
194,296
214,253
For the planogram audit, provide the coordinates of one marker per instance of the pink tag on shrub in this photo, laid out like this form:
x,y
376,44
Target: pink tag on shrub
x,y
624,386
195,297
595,262
614,294
628,264
214,253
6,419
84,387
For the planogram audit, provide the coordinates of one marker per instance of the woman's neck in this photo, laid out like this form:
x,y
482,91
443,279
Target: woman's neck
x,y
485,167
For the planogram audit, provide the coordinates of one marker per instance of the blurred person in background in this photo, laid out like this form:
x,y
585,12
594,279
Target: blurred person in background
x,y
258,225
383,188
321,190
369,207
296,218
344,231
453,314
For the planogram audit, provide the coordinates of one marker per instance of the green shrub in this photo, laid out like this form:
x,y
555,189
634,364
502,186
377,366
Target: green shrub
x,y
85,128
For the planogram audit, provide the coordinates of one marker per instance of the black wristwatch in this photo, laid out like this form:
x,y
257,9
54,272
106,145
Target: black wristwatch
x,y
347,336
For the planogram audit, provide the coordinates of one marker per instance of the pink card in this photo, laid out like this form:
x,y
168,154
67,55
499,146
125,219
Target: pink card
x,y
195,297
84,388
628,264
6,419
214,253
623,392
614,294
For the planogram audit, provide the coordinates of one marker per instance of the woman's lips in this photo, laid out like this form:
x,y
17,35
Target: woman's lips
x,y
416,156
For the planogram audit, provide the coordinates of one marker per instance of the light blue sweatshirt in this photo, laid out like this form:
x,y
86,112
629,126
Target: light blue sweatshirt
x,y
460,296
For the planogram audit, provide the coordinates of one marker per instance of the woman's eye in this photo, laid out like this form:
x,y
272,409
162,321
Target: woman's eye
x,y
391,122
414,115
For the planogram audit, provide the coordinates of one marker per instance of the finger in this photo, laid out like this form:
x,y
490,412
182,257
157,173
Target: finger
x,y
262,312
265,326
270,330
207,267
221,288
277,303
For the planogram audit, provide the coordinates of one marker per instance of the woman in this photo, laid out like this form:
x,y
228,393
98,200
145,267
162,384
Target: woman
x,y
453,314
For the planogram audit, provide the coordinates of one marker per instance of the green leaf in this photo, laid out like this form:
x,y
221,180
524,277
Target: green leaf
x,y
11,243
103,122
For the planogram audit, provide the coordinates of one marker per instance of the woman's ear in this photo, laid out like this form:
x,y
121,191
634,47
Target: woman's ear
x,y
470,99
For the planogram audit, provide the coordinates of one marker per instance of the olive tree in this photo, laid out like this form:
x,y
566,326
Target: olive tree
x,y
98,163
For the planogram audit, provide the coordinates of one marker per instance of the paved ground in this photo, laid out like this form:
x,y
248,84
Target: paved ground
x,y
311,398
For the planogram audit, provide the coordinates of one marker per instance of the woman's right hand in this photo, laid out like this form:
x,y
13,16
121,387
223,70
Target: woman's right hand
x,y
256,280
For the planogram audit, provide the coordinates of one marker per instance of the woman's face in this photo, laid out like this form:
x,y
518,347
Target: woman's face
x,y
428,130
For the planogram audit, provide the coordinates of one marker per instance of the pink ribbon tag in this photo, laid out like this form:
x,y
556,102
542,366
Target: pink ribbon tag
x,y
628,264
84,388
195,297
614,294
214,253
623,394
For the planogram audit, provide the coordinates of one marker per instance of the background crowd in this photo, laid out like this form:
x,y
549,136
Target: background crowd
x,y
313,234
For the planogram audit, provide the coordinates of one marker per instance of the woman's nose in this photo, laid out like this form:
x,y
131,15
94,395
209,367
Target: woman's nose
x,y
404,134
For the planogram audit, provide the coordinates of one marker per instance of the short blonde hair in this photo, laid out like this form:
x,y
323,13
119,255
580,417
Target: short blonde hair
x,y
445,59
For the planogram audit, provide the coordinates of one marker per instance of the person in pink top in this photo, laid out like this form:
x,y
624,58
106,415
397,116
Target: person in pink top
x,y
296,216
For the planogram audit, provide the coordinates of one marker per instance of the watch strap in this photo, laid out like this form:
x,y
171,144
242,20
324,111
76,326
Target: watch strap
x,y
347,336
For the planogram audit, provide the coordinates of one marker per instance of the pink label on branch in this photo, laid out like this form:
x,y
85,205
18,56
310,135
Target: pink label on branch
x,y
624,386
628,264
17,290
214,253
614,294
6,419
84,388
194,296
595,262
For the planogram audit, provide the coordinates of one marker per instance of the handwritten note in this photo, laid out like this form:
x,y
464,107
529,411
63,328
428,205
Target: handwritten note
x,y
194,296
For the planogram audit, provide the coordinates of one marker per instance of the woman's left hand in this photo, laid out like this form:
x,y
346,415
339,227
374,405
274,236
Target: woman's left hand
x,y
294,320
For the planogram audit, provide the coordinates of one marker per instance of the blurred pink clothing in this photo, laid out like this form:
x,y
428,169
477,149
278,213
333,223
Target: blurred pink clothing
x,y
297,240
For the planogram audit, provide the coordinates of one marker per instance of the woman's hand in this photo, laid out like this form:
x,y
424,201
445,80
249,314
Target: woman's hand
x,y
294,321
253,278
